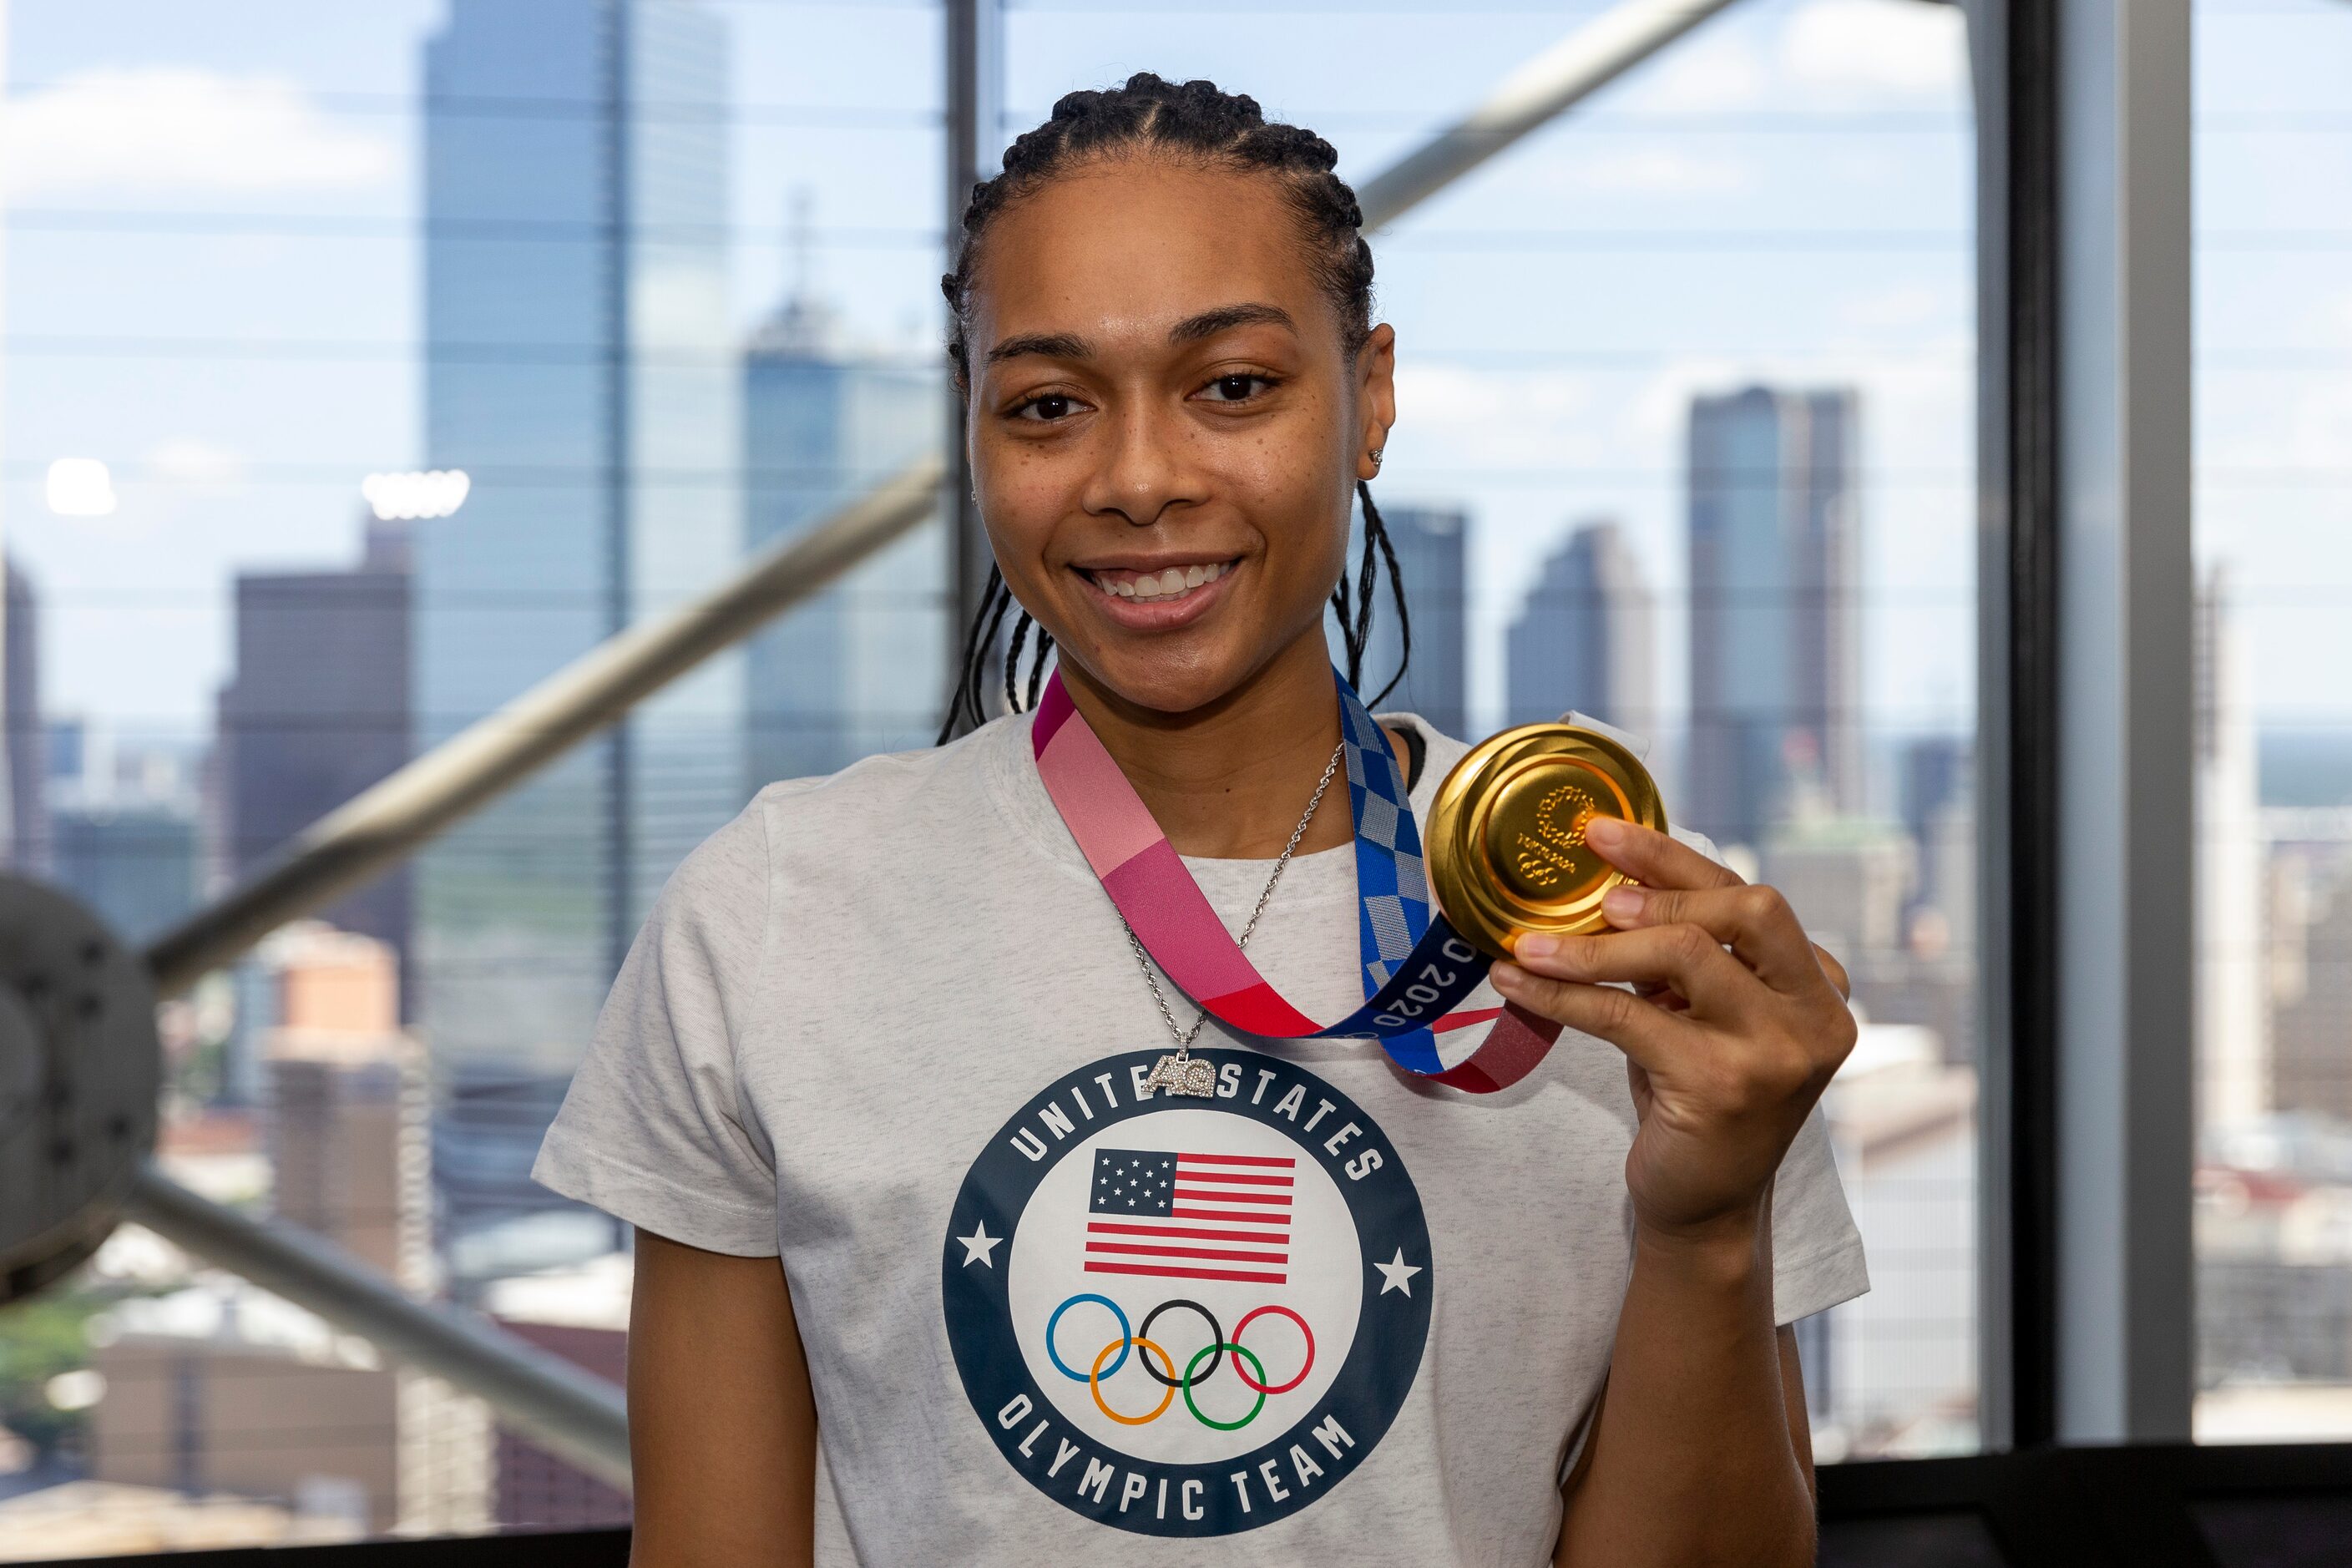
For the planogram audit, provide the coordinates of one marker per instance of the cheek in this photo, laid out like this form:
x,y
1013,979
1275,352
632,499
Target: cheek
x,y
1024,498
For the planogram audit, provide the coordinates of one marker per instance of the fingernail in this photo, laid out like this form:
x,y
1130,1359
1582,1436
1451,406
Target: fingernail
x,y
1507,976
1622,904
1534,944
1604,831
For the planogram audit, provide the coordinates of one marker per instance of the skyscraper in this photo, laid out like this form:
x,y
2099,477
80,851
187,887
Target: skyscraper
x,y
1775,570
26,817
1432,547
317,711
1586,639
580,368
2233,1044
858,669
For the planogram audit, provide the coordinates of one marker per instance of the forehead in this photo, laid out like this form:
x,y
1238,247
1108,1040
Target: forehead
x,y
1135,244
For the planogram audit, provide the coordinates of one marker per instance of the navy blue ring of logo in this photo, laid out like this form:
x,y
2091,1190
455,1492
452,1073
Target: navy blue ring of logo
x,y
1295,1467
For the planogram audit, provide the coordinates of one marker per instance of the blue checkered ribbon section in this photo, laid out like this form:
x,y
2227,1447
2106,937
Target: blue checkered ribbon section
x,y
1392,889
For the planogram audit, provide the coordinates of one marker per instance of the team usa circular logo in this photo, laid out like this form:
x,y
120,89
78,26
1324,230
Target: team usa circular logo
x,y
1188,1317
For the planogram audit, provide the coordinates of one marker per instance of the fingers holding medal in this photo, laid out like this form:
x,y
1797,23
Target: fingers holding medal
x,y
1548,848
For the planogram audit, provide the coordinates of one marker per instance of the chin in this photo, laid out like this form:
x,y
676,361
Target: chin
x,y
1166,676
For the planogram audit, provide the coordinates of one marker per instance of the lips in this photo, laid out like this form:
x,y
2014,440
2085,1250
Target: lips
x,y
1165,585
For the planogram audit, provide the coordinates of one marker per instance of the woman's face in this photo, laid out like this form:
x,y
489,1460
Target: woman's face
x,y
1166,429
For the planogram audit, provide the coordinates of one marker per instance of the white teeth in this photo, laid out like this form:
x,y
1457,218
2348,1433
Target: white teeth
x,y
1165,584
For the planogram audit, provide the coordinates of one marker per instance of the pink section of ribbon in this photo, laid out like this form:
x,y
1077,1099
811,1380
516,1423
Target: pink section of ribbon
x,y
1093,795
1174,920
1510,1051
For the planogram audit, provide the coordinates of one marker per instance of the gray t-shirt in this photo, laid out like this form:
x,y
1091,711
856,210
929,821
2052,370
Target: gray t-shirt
x,y
887,1024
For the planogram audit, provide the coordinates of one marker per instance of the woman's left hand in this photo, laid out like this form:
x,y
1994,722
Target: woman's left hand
x,y
1738,1028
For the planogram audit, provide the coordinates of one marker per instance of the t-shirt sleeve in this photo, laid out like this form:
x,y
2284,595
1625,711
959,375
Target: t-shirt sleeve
x,y
654,1129
1817,1260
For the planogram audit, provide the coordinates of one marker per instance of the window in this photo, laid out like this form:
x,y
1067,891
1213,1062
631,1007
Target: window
x,y
2274,336
1685,442
368,364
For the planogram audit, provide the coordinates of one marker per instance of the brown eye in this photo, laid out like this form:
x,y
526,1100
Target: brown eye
x,y
1238,387
1052,407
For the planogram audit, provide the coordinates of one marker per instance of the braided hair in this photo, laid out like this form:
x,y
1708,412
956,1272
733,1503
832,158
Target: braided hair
x,y
1191,121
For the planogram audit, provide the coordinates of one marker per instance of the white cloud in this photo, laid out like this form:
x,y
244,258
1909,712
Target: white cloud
x,y
1649,170
1457,417
1708,74
1898,49
163,128
194,462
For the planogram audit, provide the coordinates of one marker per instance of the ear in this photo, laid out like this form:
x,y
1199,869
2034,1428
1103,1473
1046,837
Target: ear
x,y
1376,397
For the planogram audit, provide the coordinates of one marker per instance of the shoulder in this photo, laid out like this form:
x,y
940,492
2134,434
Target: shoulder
x,y
899,798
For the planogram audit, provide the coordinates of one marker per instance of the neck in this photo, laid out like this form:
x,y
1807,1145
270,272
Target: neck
x,y
1228,781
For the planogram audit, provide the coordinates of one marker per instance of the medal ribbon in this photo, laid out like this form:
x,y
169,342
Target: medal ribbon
x,y
1415,966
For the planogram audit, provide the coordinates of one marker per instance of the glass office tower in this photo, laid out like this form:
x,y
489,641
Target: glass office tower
x,y
1586,639
861,667
1775,608
1433,558
579,369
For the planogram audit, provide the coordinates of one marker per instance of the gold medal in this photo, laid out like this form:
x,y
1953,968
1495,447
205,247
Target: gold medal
x,y
1505,841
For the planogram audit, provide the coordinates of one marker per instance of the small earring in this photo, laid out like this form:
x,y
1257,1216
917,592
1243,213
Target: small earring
x,y
1375,455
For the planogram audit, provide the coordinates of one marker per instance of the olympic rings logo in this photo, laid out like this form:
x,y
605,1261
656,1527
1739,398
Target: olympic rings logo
x,y
1115,1353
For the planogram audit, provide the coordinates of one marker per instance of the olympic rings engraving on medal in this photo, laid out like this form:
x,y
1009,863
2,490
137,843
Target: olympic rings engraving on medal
x,y
1126,1336
1094,1383
1242,1327
1259,1385
1216,1337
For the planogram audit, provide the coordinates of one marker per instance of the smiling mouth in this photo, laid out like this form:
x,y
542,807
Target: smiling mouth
x,y
1168,584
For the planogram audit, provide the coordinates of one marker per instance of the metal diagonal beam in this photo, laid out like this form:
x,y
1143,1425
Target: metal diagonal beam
x,y
1553,82
384,823
560,1407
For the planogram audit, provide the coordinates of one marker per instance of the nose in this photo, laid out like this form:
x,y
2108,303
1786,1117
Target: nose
x,y
1145,471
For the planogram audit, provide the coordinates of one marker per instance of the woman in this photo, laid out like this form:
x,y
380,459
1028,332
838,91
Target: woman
x,y
1039,1303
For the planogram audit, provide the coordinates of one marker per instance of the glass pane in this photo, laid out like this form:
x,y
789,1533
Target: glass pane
x,y
1685,442
365,364
2274,338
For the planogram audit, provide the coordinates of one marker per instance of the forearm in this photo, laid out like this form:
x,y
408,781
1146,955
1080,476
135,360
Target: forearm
x,y
1693,1459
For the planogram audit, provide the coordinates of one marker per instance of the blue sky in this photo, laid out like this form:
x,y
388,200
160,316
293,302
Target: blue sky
x,y
1786,196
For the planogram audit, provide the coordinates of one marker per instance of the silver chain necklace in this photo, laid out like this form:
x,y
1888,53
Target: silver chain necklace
x,y
1177,1072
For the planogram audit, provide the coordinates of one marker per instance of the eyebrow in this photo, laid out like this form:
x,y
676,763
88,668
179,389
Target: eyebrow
x,y
1191,330
1209,323
1046,345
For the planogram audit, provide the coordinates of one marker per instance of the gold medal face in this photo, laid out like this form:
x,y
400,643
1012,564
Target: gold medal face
x,y
1506,843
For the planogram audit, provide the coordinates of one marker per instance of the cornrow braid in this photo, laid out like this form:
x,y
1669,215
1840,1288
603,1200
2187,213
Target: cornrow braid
x,y
1194,120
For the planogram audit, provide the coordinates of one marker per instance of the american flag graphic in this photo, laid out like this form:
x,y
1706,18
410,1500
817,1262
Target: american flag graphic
x,y
1190,1216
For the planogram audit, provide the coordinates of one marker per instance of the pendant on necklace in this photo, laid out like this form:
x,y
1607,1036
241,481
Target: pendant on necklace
x,y
1181,1073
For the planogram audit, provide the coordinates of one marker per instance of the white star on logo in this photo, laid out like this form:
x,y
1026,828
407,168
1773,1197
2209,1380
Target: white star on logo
x,y
979,1245
1397,1275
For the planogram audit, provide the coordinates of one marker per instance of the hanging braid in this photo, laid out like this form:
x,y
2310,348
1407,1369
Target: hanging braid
x,y
1191,121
